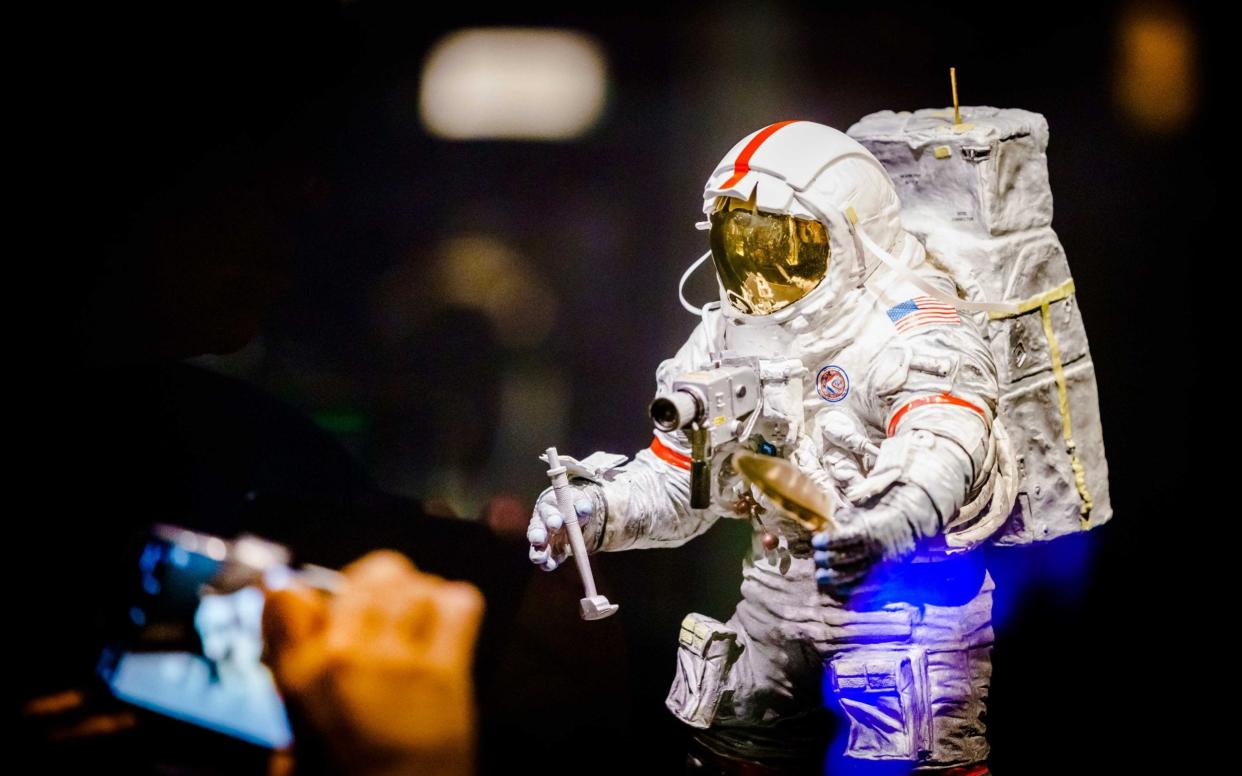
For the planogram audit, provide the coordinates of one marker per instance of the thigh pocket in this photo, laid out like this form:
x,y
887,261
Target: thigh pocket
x,y
884,696
706,655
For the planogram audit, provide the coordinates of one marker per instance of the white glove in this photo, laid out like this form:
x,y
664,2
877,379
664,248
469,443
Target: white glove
x,y
549,540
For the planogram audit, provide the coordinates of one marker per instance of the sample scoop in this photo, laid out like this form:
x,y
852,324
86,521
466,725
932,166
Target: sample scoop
x,y
788,487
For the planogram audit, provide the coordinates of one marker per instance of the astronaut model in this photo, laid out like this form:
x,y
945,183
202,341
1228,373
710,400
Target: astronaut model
x,y
884,396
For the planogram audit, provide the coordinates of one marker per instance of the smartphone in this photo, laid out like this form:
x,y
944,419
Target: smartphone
x,y
192,645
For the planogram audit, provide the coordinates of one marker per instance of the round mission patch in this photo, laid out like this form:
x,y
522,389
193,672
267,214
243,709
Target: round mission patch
x,y
832,383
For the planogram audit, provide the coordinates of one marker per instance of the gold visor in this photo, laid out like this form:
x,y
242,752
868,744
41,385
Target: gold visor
x,y
766,261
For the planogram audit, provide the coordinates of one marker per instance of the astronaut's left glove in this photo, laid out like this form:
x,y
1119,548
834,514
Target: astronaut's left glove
x,y
887,530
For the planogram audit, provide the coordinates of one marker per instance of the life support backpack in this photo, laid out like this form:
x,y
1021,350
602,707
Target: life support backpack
x,y
976,193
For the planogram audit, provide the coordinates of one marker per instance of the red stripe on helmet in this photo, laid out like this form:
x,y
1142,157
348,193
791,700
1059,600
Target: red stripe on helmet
x,y
742,165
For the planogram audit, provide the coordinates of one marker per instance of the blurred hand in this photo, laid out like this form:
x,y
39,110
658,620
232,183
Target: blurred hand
x,y
549,540
380,672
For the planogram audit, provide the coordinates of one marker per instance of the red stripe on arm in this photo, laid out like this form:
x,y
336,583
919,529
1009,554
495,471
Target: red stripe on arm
x,y
668,454
944,398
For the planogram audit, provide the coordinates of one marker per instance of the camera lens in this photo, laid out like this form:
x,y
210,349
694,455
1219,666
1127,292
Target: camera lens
x,y
673,411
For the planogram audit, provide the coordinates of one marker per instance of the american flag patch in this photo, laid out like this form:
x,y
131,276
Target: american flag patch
x,y
922,311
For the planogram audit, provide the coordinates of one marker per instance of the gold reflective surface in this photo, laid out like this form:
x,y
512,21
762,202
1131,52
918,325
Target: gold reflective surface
x,y
766,261
788,487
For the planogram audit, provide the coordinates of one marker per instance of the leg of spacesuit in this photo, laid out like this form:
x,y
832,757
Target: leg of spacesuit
x,y
922,697
906,679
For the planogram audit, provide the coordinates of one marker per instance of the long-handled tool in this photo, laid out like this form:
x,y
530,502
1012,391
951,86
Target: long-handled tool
x,y
593,605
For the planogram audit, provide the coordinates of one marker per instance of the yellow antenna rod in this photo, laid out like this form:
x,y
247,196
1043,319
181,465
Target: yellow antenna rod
x,y
957,116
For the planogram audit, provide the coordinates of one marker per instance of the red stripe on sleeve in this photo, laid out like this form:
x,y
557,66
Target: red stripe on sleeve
x,y
944,398
672,456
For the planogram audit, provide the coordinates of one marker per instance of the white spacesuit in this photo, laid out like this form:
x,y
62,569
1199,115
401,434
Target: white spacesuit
x,y
886,398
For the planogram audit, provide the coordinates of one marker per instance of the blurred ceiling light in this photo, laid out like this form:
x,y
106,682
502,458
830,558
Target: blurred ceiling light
x,y
512,84
1156,76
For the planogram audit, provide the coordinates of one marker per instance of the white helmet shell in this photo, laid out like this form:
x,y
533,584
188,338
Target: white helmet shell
x,y
813,171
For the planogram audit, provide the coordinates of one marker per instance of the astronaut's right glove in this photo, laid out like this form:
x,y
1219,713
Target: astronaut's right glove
x,y
885,531
549,540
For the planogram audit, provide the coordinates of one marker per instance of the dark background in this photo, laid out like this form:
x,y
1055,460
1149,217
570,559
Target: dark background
x,y
251,181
